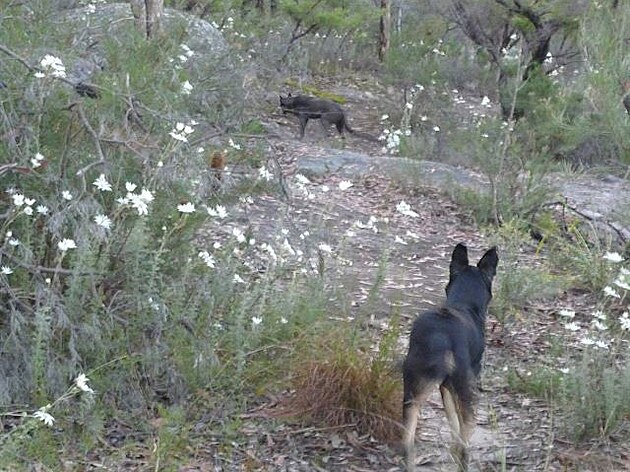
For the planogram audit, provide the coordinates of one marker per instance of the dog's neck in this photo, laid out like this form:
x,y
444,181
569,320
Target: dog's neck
x,y
478,314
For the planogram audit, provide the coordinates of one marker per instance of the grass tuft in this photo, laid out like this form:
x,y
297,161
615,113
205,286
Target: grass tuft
x,y
349,389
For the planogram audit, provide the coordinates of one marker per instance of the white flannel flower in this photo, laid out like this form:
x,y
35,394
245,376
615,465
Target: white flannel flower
x,y
613,257
345,185
436,129
18,199
587,341
567,313
66,244
599,315
180,132
572,326
207,258
624,321
219,211
43,415
238,234
53,65
36,161
405,209
146,195
141,202
256,320
622,281
103,220
263,173
6,270
186,88
42,209
102,184
66,195
130,187
187,207
82,383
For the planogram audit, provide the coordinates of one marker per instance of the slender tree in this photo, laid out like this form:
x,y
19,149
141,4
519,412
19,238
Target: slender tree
x,y
147,15
384,29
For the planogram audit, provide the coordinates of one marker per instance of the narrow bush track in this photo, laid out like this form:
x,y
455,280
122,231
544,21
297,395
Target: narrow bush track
x,y
368,236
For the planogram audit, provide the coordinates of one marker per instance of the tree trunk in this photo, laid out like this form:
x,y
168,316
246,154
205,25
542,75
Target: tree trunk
x,y
384,29
147,15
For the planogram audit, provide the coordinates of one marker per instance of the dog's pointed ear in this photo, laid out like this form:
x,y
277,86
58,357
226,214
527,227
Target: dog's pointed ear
x,y
459,260
488,263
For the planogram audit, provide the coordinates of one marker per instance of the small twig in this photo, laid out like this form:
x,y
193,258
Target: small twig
x,y
90,130
23,61
324,428
39,268
565,205
205,137
83,170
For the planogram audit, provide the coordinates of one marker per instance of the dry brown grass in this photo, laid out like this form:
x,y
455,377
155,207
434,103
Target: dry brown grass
x,y
350,390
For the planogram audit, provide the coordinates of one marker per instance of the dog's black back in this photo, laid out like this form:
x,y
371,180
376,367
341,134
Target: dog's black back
x,y
445,350
306,108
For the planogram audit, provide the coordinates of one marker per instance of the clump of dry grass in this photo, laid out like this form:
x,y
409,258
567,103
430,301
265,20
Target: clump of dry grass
x,y
350,389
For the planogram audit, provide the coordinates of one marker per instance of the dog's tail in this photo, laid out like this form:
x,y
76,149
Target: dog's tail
x,y
359,134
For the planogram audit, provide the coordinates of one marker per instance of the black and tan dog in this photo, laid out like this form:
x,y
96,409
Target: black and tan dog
x,y
328,112
311,108
445,350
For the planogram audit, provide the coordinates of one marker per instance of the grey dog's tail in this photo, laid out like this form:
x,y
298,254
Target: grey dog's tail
x,y
359,134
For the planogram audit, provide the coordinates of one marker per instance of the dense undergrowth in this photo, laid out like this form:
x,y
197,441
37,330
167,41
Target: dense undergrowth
x,y
105,274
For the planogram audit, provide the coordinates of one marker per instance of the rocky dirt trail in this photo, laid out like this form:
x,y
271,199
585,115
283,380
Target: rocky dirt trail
x,y
370,239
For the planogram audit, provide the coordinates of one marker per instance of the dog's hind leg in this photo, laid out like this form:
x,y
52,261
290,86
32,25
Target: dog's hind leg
x,y
466,415
416,393
460,415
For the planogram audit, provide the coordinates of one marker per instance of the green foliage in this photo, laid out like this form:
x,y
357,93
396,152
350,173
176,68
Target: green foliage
x,y
595,397
518,285
541,382
581,259
516,188
335,15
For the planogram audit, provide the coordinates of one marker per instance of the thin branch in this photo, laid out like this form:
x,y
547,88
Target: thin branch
x,y
95,138
621,232
38,268
13,55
